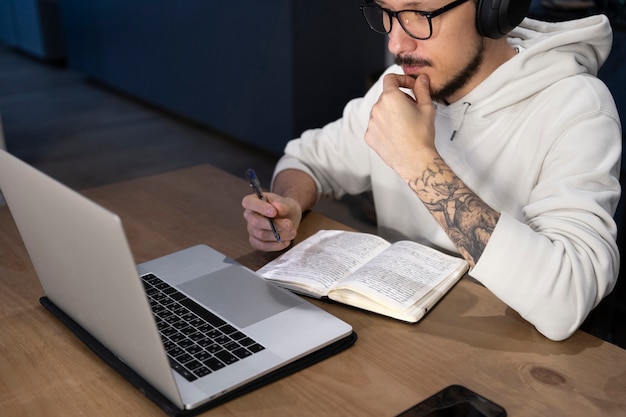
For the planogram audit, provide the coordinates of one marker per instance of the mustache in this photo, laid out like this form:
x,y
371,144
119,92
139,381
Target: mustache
x,y
410,61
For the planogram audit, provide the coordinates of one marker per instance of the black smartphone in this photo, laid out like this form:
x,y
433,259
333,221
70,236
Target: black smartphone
x,y
455,401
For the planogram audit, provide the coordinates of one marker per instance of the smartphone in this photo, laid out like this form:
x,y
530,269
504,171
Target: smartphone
x,y
455,401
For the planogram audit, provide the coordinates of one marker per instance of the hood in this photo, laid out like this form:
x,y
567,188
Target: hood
x,y
549,52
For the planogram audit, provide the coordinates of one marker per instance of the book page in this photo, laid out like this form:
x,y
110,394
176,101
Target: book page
x,y
324,258
402,274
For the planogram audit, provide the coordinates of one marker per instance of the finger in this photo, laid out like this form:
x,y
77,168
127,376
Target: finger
x,y
268,246
263,239
257,224
253,203
421,89
260,228
395,81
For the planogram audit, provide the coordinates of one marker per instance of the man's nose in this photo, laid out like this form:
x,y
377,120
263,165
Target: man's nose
x,y
399,41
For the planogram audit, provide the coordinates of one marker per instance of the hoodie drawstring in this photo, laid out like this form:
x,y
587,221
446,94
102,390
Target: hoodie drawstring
x,y
459,120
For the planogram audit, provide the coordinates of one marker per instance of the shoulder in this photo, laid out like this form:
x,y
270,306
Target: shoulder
x,y
577,97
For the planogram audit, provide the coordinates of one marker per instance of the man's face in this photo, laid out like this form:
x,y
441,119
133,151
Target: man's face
x,y
451,57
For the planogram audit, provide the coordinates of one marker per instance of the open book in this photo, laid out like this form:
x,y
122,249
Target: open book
x,y
403,280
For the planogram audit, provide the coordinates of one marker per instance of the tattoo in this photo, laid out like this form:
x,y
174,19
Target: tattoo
x,y
468,220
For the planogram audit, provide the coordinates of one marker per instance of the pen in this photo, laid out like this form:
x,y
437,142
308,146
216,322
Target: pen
x,y
256,186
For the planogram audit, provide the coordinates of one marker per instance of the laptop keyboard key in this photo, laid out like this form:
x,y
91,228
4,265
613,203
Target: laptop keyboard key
x,y
201,371
255,348
226,357
242,353
188,375
214,364
192,365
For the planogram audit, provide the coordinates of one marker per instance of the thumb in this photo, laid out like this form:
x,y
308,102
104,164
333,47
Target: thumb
x,y
421,89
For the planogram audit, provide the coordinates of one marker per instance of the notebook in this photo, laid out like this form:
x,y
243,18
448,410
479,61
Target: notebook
x,y
246,331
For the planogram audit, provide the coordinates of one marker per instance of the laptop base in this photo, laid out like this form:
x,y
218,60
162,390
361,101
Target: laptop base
x,y
156,397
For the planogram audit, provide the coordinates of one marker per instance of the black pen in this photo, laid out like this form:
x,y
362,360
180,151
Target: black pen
x,y
256,186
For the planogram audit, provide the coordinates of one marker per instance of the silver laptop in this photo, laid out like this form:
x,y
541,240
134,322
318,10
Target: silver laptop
x,y
83,261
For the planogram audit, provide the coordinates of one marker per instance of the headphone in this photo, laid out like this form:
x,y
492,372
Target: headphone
x,y
496,18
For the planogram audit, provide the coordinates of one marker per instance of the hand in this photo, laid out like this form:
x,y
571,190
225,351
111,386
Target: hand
x,y
286,214
401,129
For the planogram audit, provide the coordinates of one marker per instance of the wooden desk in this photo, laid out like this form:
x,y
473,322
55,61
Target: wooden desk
x,y
470,338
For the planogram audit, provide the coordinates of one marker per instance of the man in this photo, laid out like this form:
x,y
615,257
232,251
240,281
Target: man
x,y
505,150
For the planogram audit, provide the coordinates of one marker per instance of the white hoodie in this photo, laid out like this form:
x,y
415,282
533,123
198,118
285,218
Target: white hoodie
x,y
540,141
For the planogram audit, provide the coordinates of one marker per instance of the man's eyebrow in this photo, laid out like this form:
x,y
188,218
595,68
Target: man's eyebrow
x,y
411,5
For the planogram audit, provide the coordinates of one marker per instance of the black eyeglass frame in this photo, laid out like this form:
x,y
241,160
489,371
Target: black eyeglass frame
x,y
428,15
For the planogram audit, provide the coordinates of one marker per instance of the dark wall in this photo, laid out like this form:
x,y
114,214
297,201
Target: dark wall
x,y
32,26
258,71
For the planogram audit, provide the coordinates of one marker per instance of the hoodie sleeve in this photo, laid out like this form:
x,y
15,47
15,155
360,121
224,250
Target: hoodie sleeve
x,y
556,263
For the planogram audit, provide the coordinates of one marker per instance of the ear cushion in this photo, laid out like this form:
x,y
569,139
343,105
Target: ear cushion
x,y
496,18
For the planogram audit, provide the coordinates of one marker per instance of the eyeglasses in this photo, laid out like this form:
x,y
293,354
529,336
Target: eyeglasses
x,y
416,23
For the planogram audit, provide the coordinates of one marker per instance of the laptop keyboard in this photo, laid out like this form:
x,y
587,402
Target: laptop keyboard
x,y
197,341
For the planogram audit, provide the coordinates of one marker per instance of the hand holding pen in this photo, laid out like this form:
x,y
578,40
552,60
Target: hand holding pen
x,y
255,184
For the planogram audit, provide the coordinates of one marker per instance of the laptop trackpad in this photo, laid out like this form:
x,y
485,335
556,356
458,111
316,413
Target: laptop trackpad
x,y
239,296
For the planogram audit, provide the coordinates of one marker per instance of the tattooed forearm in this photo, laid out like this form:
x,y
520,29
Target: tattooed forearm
x,y
468,221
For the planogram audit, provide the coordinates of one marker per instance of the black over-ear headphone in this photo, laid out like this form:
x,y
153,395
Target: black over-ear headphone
x,y
496,18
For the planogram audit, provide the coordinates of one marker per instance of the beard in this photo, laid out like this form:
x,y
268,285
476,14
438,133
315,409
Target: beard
x,y
458,81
